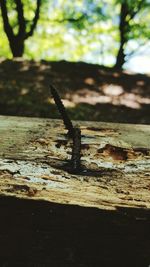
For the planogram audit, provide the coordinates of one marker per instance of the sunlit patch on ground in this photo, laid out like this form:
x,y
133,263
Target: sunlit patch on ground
x,y
113,90
112,94
24,91
89,81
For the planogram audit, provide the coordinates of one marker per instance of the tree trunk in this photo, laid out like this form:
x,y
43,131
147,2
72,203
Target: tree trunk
x,y
115,158
123,29
120,57
17,47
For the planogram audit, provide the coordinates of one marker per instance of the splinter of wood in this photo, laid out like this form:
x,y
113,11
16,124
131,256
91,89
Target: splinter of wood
x,y
74,133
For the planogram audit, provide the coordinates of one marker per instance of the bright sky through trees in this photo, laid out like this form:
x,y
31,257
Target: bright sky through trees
x,y
139,64
85,30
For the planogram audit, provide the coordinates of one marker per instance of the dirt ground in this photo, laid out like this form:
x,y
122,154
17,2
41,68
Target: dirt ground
x,y
89,92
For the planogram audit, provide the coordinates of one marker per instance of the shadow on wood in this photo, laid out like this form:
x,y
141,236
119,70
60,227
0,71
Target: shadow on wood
x,y
41,234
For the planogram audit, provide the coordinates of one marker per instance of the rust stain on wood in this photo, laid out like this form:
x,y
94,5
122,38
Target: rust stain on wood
x,y
116,153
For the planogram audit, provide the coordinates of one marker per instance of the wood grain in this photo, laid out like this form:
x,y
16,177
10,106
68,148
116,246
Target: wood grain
x,y
115,158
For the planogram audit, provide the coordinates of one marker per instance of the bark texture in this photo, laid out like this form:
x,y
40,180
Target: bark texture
x,y
115,158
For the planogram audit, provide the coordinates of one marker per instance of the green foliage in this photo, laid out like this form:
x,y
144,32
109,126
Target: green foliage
x,y
4,46
85,30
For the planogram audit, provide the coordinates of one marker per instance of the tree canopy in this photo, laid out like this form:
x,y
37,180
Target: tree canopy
x,y
106,32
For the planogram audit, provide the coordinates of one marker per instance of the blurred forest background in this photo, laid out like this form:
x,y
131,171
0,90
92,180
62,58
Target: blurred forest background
x,y
87,48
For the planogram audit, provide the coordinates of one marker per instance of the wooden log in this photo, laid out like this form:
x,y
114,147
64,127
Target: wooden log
x,y
115,162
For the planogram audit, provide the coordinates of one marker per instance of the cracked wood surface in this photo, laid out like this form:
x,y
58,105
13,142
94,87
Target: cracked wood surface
x,y
115,158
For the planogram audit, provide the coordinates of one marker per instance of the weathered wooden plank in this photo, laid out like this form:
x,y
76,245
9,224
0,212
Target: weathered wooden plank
x,y
115,160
